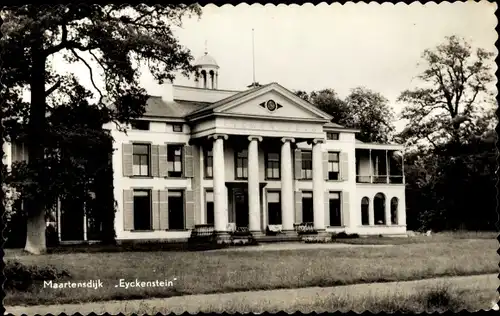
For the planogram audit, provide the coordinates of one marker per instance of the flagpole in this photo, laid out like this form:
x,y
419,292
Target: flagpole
x,y
253,55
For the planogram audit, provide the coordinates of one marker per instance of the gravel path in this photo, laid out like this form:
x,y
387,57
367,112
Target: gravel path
x,y
256,301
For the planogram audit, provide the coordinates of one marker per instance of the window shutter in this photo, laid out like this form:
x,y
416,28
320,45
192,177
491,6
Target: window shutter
x,y
188,161
163,209
189,209
325,165
298,164
344,199
155,218
128,209
154,161
162,161
127,154
327,208
344,165
298,207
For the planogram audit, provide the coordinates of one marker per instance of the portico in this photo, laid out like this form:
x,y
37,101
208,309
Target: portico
x,y
250,177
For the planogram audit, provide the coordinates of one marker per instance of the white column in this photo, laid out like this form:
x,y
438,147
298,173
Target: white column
x,y
387,210
287,198
370,164
387,166
253,184
220,196
371,214
318,181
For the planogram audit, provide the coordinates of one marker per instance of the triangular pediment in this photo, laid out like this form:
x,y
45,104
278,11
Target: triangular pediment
x,y
272,100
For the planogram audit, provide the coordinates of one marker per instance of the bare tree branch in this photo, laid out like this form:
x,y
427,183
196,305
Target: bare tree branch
x,y
91,75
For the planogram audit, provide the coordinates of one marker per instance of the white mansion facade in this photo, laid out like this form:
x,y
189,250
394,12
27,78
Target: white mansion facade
x,y
262,158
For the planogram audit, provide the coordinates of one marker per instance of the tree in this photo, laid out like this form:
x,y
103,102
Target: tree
x,y
363,109
119,38
371,113
452,141
453,95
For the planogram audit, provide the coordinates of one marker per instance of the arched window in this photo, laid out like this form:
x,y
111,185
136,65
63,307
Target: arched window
x,y
365,206
212,79
204,78
394,211
379,209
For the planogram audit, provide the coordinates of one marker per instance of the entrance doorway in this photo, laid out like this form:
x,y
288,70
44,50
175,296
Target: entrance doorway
x,y
240,199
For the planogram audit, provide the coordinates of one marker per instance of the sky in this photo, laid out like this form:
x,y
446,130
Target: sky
x,y
329,46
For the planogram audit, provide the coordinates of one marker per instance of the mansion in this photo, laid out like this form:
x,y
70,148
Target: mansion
x,y
261,159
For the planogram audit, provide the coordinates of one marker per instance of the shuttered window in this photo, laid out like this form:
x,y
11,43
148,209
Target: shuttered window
x,y
241,164
209,207
274,208
333,166
141,160
307,207
306,164
142,210
175,209
174,160
334,208
272,165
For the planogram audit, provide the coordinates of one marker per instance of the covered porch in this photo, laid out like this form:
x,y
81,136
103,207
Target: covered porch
x,y
379,164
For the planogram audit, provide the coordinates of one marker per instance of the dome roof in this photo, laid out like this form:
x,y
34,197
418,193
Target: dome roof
x,y
206,60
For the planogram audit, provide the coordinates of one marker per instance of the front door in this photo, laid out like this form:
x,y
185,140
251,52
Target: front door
x,y
241,207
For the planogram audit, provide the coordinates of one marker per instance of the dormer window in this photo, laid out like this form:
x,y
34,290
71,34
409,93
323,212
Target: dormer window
x,y
140,125
332,136
177,128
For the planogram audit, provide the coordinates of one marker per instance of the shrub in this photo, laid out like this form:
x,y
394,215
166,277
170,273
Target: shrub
x,y
439,298
21,277
343,235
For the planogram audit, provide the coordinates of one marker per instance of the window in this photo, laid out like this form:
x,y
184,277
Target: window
x,y
142,210
332,136
242,164
273,166
175,210
209,164
334,205
140,159
174,158
177,128
209,202
140,125
394,211
307,207
379,209
274,208
365,202
306,164
333,166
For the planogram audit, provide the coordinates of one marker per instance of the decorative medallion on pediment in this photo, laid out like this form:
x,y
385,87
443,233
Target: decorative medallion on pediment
x,y
271,105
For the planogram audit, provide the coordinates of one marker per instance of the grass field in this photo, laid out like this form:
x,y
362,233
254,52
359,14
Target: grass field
x,y
226,271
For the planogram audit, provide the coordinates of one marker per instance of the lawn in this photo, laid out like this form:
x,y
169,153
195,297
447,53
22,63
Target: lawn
x,y
227,271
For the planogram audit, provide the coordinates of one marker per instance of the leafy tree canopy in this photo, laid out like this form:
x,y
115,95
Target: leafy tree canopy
x,y
454,101
363,109
117,38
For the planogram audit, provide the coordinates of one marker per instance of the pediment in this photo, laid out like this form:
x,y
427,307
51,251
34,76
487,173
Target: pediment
x,y
273,101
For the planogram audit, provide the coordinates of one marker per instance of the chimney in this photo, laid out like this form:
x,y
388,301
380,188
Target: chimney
x,y
167,92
